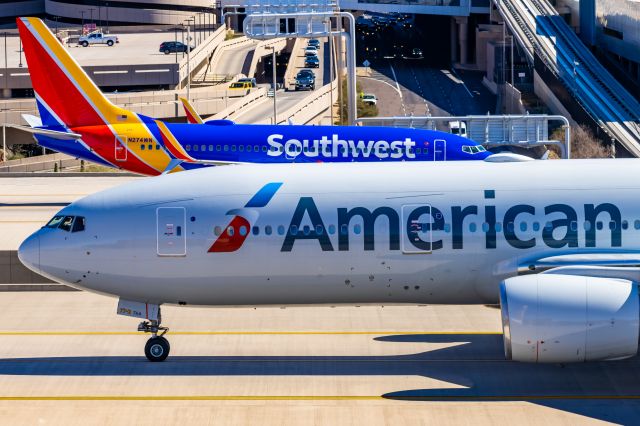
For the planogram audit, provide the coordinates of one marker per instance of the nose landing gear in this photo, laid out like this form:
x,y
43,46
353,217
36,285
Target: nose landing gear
x,y
157,347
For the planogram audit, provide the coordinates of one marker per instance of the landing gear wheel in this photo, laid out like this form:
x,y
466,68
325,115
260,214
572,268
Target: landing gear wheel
x,y
157,349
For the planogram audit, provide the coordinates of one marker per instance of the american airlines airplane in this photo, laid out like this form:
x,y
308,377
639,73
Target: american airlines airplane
x,y
557,243
77,119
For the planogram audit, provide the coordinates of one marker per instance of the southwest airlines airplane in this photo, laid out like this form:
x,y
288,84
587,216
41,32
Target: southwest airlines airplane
x,y
77,119
557,244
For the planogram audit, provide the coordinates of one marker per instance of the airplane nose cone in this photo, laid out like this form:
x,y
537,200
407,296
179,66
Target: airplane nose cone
x,y
29,252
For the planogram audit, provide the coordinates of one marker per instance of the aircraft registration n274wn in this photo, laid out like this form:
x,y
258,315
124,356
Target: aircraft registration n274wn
x,y
363,233
77,119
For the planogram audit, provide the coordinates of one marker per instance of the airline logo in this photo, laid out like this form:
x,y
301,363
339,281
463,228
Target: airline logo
x,y
234,235
334,147
421,228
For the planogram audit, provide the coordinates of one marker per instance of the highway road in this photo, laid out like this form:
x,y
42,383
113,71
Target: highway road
x,y
407,87
262,112
235,61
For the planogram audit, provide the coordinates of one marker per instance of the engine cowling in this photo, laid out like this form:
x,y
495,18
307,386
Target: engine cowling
x,y
569,318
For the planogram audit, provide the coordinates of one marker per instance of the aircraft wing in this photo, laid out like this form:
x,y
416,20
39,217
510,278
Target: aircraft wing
x,y
580,259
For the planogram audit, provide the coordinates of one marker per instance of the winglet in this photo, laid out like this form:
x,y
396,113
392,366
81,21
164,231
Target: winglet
x,y
192,115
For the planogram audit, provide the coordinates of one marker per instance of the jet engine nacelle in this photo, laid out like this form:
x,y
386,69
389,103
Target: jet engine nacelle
x,y
569,318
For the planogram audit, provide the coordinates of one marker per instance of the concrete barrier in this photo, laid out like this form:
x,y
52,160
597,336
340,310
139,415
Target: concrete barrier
x,y
12,271
256,95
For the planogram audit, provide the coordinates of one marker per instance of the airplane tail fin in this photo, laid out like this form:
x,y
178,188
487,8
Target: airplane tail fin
x,y
192,115
65,94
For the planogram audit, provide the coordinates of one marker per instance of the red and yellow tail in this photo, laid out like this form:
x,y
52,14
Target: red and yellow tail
x,y
61,84
192,116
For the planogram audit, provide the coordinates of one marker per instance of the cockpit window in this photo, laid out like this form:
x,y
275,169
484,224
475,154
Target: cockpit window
x,y
78,224
474,149
55,222
67,223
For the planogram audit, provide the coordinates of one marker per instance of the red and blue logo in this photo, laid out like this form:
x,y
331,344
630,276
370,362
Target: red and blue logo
x,y
233,236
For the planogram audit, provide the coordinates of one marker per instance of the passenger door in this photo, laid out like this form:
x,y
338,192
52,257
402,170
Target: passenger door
x,y
439,150
171,225
416,229
121,148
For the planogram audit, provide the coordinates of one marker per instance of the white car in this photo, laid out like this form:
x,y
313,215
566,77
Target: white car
x,y
369,98
458,128
311,49
97,38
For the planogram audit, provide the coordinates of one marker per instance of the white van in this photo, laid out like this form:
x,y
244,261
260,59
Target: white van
x,y
458,128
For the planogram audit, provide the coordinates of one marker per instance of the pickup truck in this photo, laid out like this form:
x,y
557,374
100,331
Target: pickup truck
x,y
97,38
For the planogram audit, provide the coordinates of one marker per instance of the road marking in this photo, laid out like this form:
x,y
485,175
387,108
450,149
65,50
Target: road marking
x,y
434,398
463,85
268,333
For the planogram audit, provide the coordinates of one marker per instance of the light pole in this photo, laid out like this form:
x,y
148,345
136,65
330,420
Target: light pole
x,y
91,9
273,60
20,53
189,54
107,6
82,12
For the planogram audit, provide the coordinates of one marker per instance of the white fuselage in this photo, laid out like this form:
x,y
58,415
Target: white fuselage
x,y
444,233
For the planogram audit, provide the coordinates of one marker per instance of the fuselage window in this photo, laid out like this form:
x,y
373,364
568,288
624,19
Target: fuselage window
x,y
195,147
241,148
344,230
636,224
210,148
523,226
418,151
157,147
226,148
510,226
587,226
203,147
472,227
141,147
498,227
599,225
306,230
547,226
612,225
625,224
305,149
150,147
536,226
217,231
332,229
249,148
218,147
280,230
243,230
356,229
256,230
233,148
319,230
264,148
267,230
188,147
78,224
574,225
294,230
485,227
230,231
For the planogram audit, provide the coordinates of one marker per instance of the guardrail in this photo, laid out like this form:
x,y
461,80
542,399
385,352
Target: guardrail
x,y
255,95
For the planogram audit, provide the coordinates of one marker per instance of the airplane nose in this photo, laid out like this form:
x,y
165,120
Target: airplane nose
x,y
29,252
